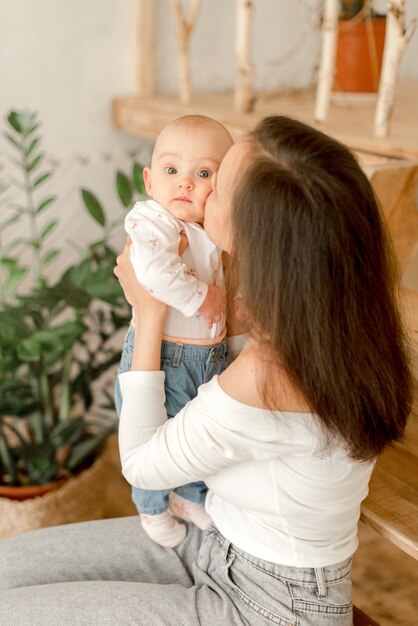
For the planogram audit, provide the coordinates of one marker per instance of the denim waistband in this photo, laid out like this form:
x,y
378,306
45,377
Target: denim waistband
x,y
193,352
328,573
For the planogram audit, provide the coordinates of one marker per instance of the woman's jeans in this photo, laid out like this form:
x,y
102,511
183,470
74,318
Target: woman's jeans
x,y
109,572
186,367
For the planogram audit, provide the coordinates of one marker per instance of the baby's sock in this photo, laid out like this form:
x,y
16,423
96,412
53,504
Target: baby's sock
x,y
164,529
189,511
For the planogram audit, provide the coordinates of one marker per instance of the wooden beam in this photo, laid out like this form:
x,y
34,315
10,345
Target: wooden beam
x,y
352,125
185,25
327,60
145,20
244,93
397,36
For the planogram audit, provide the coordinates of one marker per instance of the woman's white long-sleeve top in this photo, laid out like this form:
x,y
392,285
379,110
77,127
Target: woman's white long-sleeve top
x,y
277,489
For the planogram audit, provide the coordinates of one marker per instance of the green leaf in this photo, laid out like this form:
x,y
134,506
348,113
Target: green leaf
x,y
12,140
40,463
67,432
49,257
68,332
22,122
41,179
36,161
14,279
15,272
45,203
93,206
83,449
14,120
34,243
124,188
138,178
31,129
13,326
50,344
30,350
34,143
9,221
9,264
48,228
6,459
69,291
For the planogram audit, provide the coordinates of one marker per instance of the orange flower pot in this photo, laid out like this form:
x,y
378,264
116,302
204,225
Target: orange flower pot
x,y
359,55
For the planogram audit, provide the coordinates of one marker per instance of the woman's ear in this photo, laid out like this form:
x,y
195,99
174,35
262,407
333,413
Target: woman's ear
x,y
147,180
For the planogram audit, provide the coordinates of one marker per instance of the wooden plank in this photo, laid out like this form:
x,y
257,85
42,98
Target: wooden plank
x,y
394,177
396,189
361,619
351,124
145,20
391,507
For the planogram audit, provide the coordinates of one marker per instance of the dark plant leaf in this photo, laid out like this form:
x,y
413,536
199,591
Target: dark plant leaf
x,y
83,449
41,179
67,432
45,203
49,257
49,228
12,140
93,206
36,161
33,144
124,188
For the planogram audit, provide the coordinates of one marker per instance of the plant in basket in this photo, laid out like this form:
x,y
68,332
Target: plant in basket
x,y
56,336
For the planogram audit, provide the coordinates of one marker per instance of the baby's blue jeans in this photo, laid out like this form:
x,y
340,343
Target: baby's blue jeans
x,y
186,366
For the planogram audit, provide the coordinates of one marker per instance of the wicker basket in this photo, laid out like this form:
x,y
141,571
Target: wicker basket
x,y
80,498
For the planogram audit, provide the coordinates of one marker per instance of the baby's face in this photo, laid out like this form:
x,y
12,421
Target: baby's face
x,y
183,162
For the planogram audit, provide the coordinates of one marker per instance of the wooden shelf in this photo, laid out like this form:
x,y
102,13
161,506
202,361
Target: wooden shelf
x,y
391,164
146,116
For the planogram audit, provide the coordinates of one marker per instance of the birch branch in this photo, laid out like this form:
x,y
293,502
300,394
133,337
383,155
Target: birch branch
x,y
397,36
244,99
185,26
327,61
146,47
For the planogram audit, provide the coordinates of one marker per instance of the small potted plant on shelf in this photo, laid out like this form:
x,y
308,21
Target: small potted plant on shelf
x,y
56,341
360,44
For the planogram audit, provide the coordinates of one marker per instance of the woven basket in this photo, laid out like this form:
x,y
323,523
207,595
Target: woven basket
x,y
80,498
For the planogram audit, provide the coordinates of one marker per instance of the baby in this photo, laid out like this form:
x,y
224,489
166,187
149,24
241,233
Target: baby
x,y
176,262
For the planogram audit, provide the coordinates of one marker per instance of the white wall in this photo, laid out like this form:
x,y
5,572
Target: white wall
x,y
68,59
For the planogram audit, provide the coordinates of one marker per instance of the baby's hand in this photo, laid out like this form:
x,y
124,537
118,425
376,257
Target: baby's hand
x,y
214,306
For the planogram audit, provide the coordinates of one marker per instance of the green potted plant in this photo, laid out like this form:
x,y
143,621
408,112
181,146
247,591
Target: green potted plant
x,y
360,44
56,336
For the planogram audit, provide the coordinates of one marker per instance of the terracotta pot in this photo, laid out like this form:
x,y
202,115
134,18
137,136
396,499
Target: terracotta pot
x,y
27,491
359,55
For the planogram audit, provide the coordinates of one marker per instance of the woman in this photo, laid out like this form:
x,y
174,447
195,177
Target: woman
x,y
285,438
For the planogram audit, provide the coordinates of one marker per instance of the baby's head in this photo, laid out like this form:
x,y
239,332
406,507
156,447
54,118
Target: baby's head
x,y
186,154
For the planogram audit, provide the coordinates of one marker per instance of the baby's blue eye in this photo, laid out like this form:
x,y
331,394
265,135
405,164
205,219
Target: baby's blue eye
x,y
203,174
170,170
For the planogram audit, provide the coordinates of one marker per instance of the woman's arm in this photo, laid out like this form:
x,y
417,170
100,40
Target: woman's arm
x,y
150,316
157,452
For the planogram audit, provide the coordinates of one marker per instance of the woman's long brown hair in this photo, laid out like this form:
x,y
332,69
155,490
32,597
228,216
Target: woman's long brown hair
x,y
319,282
